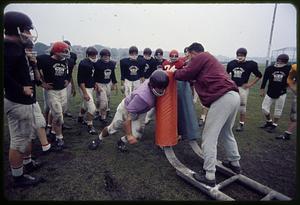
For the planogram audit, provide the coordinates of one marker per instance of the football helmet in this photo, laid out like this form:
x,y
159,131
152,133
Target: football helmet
x,y
158,82
19,24
60,49
174,55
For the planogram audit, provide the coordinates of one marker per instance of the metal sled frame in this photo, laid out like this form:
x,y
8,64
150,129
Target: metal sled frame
x,y
214,192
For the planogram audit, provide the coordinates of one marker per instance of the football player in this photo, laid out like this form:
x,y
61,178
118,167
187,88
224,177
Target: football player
x,y
132,110
86,83
292,82
240,70
105,79
149,65
277,75
131,72
71,91
55,73
159,59
40,123
20,97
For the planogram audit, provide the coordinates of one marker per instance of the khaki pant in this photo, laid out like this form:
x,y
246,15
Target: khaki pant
x,y
137,125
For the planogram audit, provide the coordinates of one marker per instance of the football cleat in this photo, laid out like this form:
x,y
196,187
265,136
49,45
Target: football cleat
x,y
121,146
94,144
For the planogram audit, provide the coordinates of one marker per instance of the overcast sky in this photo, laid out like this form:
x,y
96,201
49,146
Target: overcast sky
x,y
221,28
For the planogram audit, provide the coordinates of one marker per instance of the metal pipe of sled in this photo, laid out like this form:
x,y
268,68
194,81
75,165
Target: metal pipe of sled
x,y
187,174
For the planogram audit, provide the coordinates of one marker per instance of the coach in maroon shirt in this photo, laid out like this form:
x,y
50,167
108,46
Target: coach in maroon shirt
x,y
218,92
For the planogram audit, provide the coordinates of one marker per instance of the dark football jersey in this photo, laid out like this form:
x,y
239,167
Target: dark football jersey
x,y
149,66
240,72
17,74
159,64
131,70
85,73
277,78
54,71
105,72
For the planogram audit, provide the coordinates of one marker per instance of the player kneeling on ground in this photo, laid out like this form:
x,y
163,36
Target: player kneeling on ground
x,y
132,110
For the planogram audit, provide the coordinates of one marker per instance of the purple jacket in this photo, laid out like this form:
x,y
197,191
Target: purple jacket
x,y
211,78
141,100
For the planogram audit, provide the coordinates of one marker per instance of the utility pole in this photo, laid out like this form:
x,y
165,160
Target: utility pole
x,y
271,35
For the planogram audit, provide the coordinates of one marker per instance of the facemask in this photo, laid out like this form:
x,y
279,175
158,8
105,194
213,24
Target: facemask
x,y
173,59
133,57
159,58
105,59
157,93
94,60
25,37
279,65
241,58
147,57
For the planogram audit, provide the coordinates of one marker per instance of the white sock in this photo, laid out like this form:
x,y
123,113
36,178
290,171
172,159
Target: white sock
x,y
269,120
235,163
59,136
89,123
242,123
53,132
203,117
16,172
124,139
27,160
46,147
275,124
210,175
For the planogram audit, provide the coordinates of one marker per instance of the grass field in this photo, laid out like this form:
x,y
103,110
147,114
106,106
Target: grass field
x,y
144,173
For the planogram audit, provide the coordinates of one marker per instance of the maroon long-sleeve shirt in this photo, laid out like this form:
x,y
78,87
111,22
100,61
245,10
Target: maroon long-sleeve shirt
x,y
211,79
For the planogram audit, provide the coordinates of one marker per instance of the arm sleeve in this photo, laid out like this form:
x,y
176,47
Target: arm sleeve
x,y
292,75
190,71
228,67
265,79
9,81
256,72
113,76
81,74
122,70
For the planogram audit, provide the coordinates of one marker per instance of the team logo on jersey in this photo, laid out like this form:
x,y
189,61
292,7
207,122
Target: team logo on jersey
x,y
278,76
107,73
146,67
60,69
238,72
93,71
133,70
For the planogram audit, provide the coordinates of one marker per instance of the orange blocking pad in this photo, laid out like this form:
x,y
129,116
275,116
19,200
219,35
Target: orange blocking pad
x,y
166,115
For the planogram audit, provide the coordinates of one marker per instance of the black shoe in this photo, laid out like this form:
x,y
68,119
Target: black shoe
x,y
32,166
240,128
51,137
201,122
283,136
81,120
60,144
202,178
68,114
271,129
104,122
266,125
122,146
53,148
92,130
94,144
235,169
66,127
26,180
